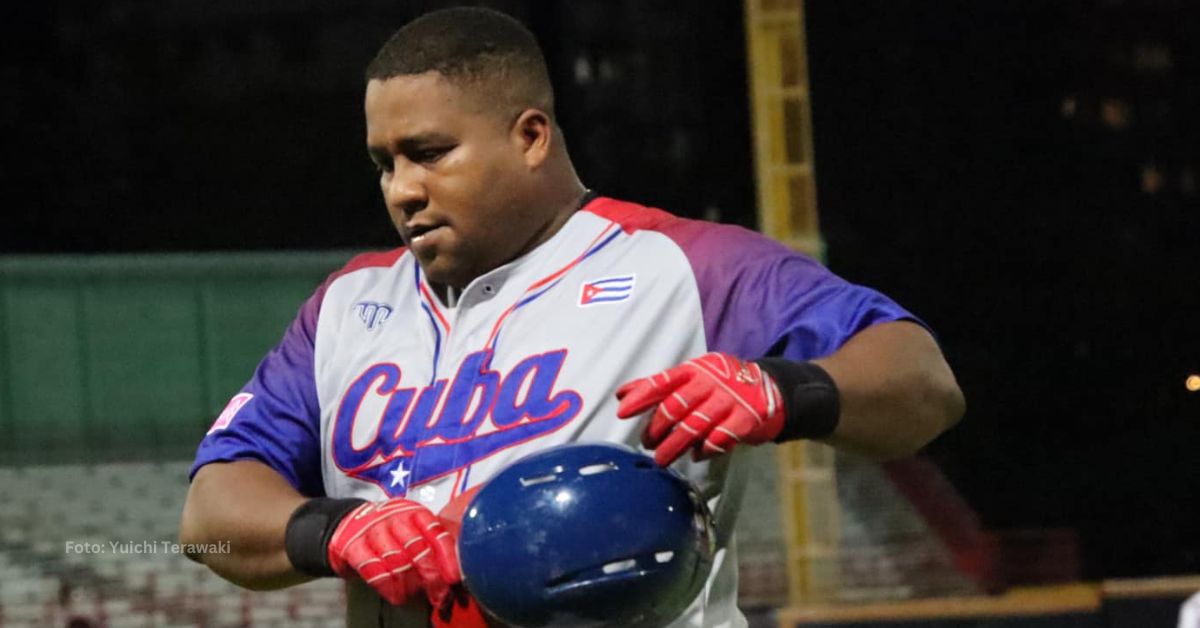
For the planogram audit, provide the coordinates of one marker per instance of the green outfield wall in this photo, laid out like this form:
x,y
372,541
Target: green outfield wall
x,y
131,356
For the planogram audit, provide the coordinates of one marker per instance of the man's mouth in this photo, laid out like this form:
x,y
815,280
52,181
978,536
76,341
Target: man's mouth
x,y
417,233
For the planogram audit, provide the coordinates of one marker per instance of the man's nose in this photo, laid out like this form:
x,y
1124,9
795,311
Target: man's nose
x,y
405,191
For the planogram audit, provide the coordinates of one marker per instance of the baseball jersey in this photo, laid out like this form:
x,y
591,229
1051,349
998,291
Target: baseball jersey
x,y
1189,613
379,390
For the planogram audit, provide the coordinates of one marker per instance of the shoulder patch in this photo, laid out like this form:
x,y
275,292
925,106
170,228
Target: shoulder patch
x,y
230,411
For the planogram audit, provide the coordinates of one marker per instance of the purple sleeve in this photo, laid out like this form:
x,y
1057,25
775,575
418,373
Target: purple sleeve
x,y
760,298
279,423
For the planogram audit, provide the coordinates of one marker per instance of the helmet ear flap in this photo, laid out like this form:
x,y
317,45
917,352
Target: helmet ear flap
x,y
586,535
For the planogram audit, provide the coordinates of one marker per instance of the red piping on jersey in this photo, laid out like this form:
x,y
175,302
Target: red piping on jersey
x,y
385,259
631,216
573,263
457,481
437,311
548,279
374,259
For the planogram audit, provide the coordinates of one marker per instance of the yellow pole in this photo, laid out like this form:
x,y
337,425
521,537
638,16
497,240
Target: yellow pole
x,y
787,209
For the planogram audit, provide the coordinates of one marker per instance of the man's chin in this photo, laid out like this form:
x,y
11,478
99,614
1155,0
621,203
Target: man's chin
x,y
438,271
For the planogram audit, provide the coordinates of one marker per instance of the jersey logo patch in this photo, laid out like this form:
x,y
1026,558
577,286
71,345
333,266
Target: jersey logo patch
x,y
607,290
372,314
399,434
230,411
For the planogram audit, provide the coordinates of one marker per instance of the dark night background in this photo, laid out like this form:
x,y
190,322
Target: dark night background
x,y
1022,174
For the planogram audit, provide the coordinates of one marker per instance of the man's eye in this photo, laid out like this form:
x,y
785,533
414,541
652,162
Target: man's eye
x,y
429,155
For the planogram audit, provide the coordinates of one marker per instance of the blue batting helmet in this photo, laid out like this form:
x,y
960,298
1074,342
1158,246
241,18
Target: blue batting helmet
x,y
586,535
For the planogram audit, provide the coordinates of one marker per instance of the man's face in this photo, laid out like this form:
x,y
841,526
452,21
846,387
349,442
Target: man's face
x,y
452,176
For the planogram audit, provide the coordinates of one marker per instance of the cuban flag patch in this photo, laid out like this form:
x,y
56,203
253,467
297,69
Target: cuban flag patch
x,y
230,411
607,290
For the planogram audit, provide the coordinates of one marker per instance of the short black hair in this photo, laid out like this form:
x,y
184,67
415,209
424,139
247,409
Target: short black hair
x,y
471,47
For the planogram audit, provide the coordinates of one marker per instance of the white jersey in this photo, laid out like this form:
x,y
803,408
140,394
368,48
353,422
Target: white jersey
x,y
1189,613
380,390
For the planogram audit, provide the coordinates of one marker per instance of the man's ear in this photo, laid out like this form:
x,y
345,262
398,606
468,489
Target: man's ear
x,y
533,133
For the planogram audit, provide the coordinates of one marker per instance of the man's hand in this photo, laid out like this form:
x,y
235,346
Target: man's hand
x,y
459,610
708,404
398,547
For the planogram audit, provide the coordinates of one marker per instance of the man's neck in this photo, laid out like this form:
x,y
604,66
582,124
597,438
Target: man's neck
x,y
448,295
559,218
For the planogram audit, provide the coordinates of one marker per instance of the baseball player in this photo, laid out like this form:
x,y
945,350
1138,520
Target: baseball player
x,y
523,312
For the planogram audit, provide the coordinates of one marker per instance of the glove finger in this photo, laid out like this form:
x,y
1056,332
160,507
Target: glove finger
x,y
443,555
410,583
681,402
397,560
373,570
628,386
398,564
362,561
692,430
337,544
721,439
641,394
661,378
424,576
398,567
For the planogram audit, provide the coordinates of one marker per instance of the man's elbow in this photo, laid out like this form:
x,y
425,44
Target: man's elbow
x,y
943,404
939,407
229,566
191,530
955,405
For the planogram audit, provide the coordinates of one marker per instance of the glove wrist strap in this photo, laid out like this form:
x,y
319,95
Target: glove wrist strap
x,y
811,402
309,529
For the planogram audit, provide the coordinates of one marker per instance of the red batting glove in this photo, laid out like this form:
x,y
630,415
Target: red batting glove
x,y
460,610
398,547
707,404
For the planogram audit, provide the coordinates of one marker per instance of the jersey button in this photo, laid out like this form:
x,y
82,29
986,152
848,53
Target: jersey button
x,y
489,289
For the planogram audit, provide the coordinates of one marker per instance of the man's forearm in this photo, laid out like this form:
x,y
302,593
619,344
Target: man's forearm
x,y
246,504
897,393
